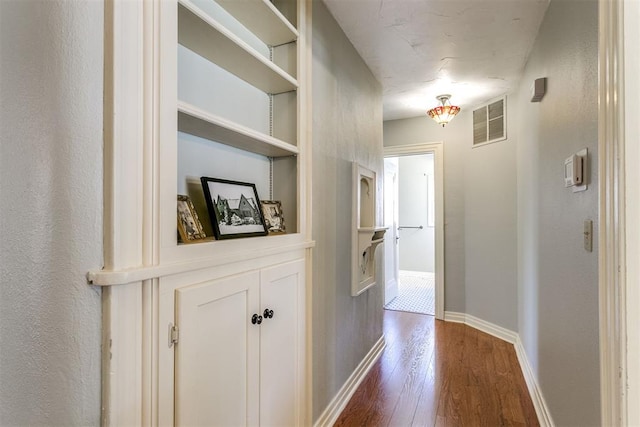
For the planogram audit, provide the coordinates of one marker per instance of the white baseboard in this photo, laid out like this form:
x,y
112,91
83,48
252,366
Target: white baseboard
x,y
338,403
482,325
539,404
452,316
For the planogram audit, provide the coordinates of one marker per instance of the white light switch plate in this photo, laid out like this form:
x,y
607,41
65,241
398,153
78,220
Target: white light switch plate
x,y
588,235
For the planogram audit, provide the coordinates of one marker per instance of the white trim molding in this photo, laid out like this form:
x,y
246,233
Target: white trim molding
x,y
338,403
539,404
437,149
127,315
632,206
482,325
611,262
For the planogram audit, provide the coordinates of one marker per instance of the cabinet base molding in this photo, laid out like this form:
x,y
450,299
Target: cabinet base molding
x,y
335,407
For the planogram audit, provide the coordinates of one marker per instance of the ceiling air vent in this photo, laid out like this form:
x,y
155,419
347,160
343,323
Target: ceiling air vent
x,y
489,124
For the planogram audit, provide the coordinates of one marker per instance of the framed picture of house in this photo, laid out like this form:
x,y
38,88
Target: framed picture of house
x,y
273,218
189,226
234,208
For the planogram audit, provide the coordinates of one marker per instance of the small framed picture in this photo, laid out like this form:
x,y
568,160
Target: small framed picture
x,y
189,226
273,218
234,208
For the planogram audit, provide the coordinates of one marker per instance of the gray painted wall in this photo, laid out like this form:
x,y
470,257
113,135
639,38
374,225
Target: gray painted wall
x,y
416,246
491,228
347,126
50,215
558,279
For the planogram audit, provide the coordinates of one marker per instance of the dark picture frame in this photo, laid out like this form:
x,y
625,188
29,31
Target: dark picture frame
x,y
273,217
189,226
234,208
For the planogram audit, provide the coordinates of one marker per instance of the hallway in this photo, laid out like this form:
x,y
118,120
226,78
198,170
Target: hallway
x,y
440,373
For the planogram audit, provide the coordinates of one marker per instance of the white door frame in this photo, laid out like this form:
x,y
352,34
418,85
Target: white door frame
x,y
631,17
437,149
391,272
618,279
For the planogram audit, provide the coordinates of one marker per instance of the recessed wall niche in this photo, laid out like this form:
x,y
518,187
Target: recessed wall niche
x,y
366,237
366,206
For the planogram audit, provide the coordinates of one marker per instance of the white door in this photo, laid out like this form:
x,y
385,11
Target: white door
x,y
216,359
391,253
282,344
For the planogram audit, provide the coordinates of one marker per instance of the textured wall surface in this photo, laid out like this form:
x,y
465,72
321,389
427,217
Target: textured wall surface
x,y
490,228
347,127
558,279
50,214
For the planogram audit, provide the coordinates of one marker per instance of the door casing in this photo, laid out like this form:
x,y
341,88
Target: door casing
x,y
437,149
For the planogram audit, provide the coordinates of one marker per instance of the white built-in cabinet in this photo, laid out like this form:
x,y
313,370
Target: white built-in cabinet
x,y
237,360
213,332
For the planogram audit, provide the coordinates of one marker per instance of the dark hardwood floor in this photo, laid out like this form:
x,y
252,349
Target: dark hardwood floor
x,y
435,373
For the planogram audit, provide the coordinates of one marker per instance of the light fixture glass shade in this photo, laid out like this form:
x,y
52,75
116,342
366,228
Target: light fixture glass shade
x,y
444,113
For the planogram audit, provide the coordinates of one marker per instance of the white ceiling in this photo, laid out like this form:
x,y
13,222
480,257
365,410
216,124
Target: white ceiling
x,y
474,50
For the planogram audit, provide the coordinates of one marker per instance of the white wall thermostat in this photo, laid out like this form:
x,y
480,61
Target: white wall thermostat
x,y
575,171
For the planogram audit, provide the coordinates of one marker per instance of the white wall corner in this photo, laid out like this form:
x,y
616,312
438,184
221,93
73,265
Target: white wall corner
x,y
539,404
455,317
492,329
481,325
339,402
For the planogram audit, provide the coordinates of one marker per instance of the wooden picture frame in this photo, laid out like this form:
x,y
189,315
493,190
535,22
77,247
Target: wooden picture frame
x,y
234,208
273,217
189,226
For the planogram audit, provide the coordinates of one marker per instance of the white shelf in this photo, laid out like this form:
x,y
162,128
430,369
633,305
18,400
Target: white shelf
x,y
263,19
209,39
195,121
201,256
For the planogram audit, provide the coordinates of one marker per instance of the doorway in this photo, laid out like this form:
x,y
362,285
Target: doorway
x,y
409,185
413,213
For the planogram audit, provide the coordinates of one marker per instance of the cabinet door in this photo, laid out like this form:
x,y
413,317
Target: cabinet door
x,y
282,345
216,359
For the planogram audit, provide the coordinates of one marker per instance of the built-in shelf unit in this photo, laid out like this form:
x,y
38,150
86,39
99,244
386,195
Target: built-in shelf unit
x,y
216,88
237,87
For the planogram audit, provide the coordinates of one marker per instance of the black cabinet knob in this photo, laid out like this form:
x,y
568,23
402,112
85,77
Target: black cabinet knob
x,y
268,314
256,319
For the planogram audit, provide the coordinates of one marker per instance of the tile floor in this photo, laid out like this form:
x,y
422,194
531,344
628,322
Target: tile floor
x,y
416,293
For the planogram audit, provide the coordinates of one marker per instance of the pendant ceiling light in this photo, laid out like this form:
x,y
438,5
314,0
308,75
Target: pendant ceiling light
x,y
444,113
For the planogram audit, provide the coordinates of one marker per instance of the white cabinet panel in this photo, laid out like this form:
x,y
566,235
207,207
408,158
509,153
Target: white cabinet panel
x,y
230,371
281,344
216,364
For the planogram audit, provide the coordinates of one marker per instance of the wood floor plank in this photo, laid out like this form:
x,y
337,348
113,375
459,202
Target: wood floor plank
x,y
427,409
435,373
409,398
389,373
